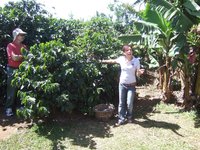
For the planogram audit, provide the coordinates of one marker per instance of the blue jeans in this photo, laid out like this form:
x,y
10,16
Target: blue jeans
x,y
11,90
126,98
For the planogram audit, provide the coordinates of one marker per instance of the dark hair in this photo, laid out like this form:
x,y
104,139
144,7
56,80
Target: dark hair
x,y
125,46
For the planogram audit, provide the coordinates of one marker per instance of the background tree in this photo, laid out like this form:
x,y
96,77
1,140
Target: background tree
x,y
38,23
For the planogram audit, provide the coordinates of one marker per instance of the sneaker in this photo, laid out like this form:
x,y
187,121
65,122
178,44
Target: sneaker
x,y
9,112
119,124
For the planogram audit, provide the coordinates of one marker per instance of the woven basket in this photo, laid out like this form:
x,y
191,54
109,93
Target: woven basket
x,y
104,112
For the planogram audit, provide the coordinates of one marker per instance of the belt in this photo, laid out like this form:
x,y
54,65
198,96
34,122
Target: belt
x,y
129,85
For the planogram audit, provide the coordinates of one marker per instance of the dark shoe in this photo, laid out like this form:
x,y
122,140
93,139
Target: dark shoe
x,y
130,121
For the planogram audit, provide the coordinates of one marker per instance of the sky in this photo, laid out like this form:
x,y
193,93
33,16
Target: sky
x,y
79,9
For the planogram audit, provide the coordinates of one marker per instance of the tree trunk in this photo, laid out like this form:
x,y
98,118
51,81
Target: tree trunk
x,y
185,86
161,73
197,86
187,99
166,90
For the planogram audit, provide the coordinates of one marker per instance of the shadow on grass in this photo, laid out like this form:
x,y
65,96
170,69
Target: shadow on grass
x,y
144,106
148,123
197,118
79,131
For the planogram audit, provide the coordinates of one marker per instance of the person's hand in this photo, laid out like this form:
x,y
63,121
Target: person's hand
x,y
17,57
141,71
100,61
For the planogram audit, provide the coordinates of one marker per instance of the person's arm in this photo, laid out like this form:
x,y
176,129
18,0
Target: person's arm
x,y
139,71
16,57
108,61
12,55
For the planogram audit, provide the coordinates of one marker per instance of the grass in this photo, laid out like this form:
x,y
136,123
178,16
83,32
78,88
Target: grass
x,y
156,127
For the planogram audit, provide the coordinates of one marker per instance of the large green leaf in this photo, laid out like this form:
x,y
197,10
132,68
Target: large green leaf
x,y
131,38
153,62
146,26
180,21
192,8
154,16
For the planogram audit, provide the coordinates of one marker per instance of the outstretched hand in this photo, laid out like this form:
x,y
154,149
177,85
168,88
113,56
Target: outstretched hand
x,y
140,71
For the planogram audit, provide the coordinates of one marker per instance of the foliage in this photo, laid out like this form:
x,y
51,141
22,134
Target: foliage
x,y
41,79
56,77
65,30
38,23
155,35
98,41
179,13
193,37
47,83
163,25
27,15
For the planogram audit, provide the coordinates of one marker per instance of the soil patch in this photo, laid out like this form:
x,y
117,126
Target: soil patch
x,y
11,125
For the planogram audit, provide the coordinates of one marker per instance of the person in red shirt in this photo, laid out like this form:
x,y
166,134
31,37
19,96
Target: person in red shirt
x,y
192,55
15,58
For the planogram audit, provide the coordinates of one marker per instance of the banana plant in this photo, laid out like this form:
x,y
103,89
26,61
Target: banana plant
x,y
157,34
183,14
168,24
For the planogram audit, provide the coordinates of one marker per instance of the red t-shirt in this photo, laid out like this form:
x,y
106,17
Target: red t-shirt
x,y
16,49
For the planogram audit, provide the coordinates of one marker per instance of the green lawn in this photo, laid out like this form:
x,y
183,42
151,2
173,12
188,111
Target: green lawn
x,y
163,127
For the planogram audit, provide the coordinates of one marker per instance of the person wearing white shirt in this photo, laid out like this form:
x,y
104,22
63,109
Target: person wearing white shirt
x,y
130,67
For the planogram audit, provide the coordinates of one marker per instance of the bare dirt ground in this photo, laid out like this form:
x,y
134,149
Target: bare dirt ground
x,y
11,125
